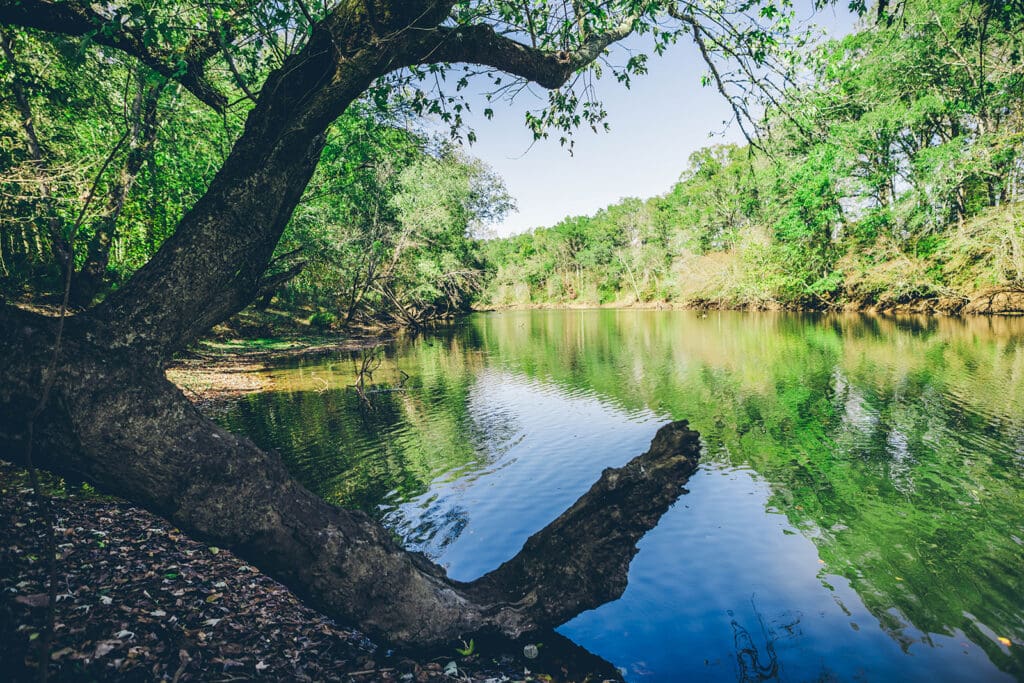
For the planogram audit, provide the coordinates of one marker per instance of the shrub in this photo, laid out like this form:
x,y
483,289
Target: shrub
x,y
323,320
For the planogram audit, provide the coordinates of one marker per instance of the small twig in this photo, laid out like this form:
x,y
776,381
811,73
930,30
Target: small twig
x,y
370,361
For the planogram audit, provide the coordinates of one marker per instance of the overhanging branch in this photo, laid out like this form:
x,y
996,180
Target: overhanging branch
x,y
480,44
581,560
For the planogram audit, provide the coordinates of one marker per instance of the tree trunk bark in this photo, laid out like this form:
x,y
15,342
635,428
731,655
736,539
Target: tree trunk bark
x,y
120,425
214,263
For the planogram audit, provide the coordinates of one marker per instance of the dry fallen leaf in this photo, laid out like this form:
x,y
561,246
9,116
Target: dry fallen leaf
x,y
34,600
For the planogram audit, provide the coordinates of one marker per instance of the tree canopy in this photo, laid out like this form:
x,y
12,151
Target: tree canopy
x,y
111,180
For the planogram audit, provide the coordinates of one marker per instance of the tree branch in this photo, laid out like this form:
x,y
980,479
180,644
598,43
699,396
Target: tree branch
x,y
581,560
269,283
79,19
480,44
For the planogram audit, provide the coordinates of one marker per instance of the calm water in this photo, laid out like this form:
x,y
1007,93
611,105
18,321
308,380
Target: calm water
x,y
858,514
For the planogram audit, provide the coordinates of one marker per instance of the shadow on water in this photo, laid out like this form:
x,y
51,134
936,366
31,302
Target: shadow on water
x,y
861,471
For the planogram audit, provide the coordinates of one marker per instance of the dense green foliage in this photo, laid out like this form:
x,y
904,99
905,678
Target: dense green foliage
x,y
385,229
114,118
95,151
888,171
894,174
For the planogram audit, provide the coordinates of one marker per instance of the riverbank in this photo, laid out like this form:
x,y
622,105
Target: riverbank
x,y
215,371
229,362
992,301
233,362
138,599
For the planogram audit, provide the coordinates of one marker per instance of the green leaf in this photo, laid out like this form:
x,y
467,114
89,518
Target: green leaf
x,y
466,649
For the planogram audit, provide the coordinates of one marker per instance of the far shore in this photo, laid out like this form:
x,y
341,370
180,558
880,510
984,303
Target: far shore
x,y
994,301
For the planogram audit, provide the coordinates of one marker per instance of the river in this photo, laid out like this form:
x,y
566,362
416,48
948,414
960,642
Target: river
x,y
858,513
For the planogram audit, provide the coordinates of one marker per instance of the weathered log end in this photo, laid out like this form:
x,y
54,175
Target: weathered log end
x,y
581,560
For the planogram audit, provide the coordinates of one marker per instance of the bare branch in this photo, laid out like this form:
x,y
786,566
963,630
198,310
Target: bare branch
x,y
268,284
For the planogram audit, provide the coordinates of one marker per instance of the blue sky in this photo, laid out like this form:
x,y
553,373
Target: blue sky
x,y
655,126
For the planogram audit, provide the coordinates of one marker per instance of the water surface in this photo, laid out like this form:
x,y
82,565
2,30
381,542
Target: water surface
x,y
858,514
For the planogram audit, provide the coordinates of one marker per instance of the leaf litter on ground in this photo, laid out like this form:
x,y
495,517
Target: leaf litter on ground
x,y
137,599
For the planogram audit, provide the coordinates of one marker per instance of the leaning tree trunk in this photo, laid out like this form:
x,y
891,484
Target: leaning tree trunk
x,y
127,429
114,420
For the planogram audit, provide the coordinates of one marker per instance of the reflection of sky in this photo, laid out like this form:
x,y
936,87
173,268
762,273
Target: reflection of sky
x,y
909,460
559,445
719,582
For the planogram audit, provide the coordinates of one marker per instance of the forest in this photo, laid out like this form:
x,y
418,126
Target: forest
x,y
384,229
883,172
891,175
